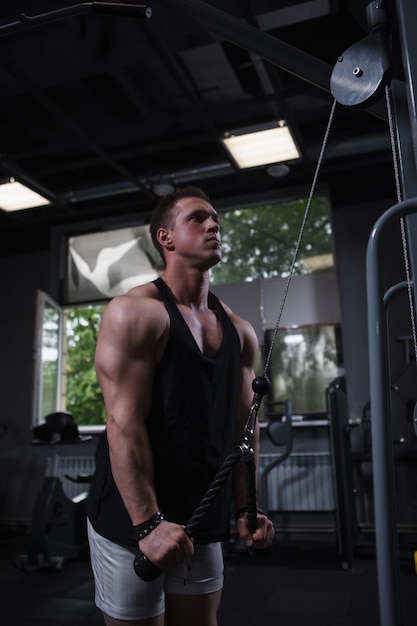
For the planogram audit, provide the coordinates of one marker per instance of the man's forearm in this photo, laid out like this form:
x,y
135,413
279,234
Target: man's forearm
x,y
132,468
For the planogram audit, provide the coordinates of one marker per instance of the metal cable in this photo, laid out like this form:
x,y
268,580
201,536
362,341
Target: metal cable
x,y
402,220
300,236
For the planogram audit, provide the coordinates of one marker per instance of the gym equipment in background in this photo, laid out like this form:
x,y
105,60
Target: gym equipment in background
x,y
59,530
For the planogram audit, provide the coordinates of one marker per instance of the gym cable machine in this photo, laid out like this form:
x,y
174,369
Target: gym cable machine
x,y
383,61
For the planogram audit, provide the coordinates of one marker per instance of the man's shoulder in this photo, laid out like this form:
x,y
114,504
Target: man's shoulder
x,y
133,325
148,292
145,291
143,301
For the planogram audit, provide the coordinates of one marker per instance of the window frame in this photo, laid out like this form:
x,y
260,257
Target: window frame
x,y
43,300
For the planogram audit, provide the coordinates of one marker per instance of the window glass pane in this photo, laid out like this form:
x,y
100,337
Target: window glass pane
x,y
50,359
47,386
105,264
260,242
83,395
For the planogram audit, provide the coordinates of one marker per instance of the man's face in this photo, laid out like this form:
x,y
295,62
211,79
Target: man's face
x,y
196,232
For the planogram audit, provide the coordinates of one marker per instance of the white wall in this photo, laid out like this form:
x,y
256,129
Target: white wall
x,y
311,299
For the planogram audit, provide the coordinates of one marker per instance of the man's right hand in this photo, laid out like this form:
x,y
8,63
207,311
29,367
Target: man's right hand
x,y
166,546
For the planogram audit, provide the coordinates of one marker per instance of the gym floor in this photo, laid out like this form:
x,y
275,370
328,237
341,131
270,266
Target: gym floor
x,y
302,584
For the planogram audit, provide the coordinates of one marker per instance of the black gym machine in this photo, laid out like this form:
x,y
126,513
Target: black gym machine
x,y
58,528
383,62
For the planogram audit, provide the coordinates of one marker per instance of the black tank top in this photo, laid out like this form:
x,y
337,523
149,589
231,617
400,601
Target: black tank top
x,y
191,429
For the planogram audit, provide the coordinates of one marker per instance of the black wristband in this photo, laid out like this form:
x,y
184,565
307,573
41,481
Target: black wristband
x,y
142,530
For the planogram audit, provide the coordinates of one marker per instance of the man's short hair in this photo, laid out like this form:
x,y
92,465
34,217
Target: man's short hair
x,y
163,215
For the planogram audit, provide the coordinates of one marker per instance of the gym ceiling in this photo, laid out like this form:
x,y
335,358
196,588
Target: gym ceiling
x,y
100,105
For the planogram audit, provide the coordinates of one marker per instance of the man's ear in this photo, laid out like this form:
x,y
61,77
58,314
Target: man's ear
x,y
164,238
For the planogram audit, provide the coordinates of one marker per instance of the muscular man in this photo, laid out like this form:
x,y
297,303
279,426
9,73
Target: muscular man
x,y
175,366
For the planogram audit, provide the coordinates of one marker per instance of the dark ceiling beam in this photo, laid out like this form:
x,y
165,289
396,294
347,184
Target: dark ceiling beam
x,y
295,13
279,53
24,22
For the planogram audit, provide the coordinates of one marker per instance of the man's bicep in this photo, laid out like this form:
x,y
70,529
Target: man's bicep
x,y
125,377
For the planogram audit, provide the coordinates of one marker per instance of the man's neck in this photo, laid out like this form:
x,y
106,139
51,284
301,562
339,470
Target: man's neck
x,y
189,288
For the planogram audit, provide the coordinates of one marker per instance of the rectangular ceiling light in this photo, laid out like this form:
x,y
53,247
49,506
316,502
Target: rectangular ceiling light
x,y
261,145
14,197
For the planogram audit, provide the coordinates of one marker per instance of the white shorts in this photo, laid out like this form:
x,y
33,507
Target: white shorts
x,y
121,594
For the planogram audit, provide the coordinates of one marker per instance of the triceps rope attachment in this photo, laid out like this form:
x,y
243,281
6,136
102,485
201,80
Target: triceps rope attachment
x,y
242,451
